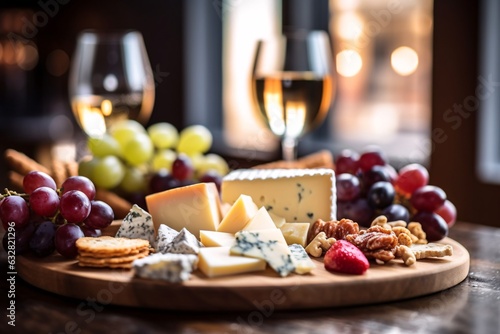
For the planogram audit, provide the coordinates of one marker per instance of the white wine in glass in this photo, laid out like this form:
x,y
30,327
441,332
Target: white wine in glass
x,y
110,80
293,85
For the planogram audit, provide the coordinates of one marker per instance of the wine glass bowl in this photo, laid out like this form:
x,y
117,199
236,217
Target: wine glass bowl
x,y
293,85
110,80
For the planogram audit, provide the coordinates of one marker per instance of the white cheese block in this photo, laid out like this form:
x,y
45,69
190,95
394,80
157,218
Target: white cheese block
x,y
269,245
295,233
301,260
216,239
137,224
260,221
164,237
173,268
216,261
298,195
184,243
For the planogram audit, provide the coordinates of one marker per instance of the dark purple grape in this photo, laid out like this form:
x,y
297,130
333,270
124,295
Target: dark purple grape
x,y
14,209
42,240
82,183
381,195
428,198
44,201
162,181
372,156
347,162
101,215
433,225
348,187
358,211
75,206
90,232
36,179
396,212
212,176
22,238
138,198
182,168
65,239
375,174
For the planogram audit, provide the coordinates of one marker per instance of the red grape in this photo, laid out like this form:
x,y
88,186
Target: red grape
x,y
182,168
91,232
75,206
42,240
82,183
162,181
448,212
393,174
396,212
348,187
358,210
101,215
44,201
65,239
428,198
381,195
372,156
347,162
411,177
433,225
37,179
212,176
14,209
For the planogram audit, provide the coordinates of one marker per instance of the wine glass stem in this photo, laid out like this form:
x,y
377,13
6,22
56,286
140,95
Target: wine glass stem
x,y
289,148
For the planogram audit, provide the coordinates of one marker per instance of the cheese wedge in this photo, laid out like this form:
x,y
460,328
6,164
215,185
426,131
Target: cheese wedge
x,y
295,233
216,261
260,221
216,239
298,195
238,215
278,220
195,207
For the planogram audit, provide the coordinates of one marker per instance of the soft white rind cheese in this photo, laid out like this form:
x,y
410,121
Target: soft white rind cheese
x,y
302,261
173,268
303,195
137,224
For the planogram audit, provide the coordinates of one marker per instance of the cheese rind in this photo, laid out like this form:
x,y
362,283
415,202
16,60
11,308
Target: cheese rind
x,y
269,245
195,207
295,233
216,239
238,215
216,261
137,224
260,221
301,260
173,268
298,195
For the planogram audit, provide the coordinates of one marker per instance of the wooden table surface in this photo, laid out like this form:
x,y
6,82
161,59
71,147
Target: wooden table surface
x,y
472,306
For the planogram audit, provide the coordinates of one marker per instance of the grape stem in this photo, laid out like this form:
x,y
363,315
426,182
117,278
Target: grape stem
x,y
9,192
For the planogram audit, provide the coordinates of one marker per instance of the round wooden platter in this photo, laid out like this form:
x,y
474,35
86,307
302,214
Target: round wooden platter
x,y
319,289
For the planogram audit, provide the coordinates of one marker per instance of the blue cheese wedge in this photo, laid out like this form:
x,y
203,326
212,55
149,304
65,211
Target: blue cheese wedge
x,y
164,237
301,260
298,195
184,243
137,224
269,245
173,268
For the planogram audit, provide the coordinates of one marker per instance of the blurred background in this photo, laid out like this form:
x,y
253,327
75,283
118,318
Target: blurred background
x,y
417,78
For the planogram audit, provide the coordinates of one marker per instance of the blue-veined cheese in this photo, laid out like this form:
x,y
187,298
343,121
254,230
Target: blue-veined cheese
x,y
301,260
184,243
269,245
298,195
164,237
137,224
173,268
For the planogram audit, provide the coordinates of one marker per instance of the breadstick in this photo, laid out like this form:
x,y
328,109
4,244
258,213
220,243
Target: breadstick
x,y
120,205
23,164
71,168
58,172
16,180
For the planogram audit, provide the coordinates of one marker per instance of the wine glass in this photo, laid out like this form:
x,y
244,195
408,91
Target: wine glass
x,y
293,85
110,80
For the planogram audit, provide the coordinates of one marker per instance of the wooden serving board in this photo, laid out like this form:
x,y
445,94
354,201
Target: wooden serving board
x,y
254,291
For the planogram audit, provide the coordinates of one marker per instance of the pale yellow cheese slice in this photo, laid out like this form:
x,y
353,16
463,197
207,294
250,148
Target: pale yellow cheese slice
x,y
238,215
195,207
278,220
260,221
216,239
295,233
216,261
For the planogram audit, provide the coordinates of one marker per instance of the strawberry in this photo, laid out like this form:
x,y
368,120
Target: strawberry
x,y
346,258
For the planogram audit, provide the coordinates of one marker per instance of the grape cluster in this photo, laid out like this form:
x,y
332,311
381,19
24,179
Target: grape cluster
x,y
46,218
134,161
368,186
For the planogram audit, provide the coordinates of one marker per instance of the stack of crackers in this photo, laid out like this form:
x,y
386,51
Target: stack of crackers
x,y
110,252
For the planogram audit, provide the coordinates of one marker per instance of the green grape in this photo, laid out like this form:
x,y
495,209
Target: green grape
x,y
163,159
194,139
108,172
212,162
133,181
163,135
125,130
138,150
197,160
103,146
86,166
